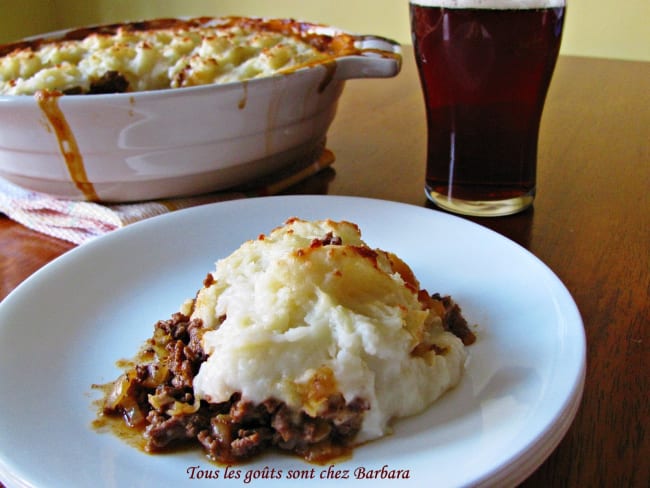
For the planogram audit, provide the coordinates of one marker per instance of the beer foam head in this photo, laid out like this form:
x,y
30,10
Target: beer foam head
x,y
491,4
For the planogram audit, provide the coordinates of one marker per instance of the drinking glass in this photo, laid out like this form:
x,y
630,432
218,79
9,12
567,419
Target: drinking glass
x,y
485,67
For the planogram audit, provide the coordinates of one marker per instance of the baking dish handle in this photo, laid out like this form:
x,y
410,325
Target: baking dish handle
x,y
377,57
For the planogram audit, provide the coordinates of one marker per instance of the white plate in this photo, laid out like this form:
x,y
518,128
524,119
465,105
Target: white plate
x,y
63,329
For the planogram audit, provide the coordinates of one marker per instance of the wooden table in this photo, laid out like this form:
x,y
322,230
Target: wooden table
x,y
590,224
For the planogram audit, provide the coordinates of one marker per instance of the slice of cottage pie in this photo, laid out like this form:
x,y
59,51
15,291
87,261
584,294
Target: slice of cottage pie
x,y
304,340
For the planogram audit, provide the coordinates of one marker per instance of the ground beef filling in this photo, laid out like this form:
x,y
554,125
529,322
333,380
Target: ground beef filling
x,y
156,396
109,82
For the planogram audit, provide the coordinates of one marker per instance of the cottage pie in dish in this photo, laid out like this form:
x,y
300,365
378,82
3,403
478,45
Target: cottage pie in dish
x,y
165,53
305,340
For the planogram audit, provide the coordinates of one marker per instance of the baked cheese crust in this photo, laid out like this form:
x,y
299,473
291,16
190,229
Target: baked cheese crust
x,y
165,53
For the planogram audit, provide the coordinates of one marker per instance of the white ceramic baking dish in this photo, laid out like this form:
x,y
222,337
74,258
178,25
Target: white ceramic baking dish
x,y
183,141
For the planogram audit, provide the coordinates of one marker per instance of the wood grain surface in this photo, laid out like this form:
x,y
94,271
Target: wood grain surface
x,y
590,224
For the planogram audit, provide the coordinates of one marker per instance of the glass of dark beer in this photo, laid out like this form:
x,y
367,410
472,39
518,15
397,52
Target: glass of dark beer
x,y
485,67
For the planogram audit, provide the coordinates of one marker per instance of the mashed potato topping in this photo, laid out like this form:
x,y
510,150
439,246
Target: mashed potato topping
x,y
309,300
164,53
305,339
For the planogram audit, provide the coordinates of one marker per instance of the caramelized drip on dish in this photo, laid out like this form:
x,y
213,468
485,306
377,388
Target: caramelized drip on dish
x,y
49,105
